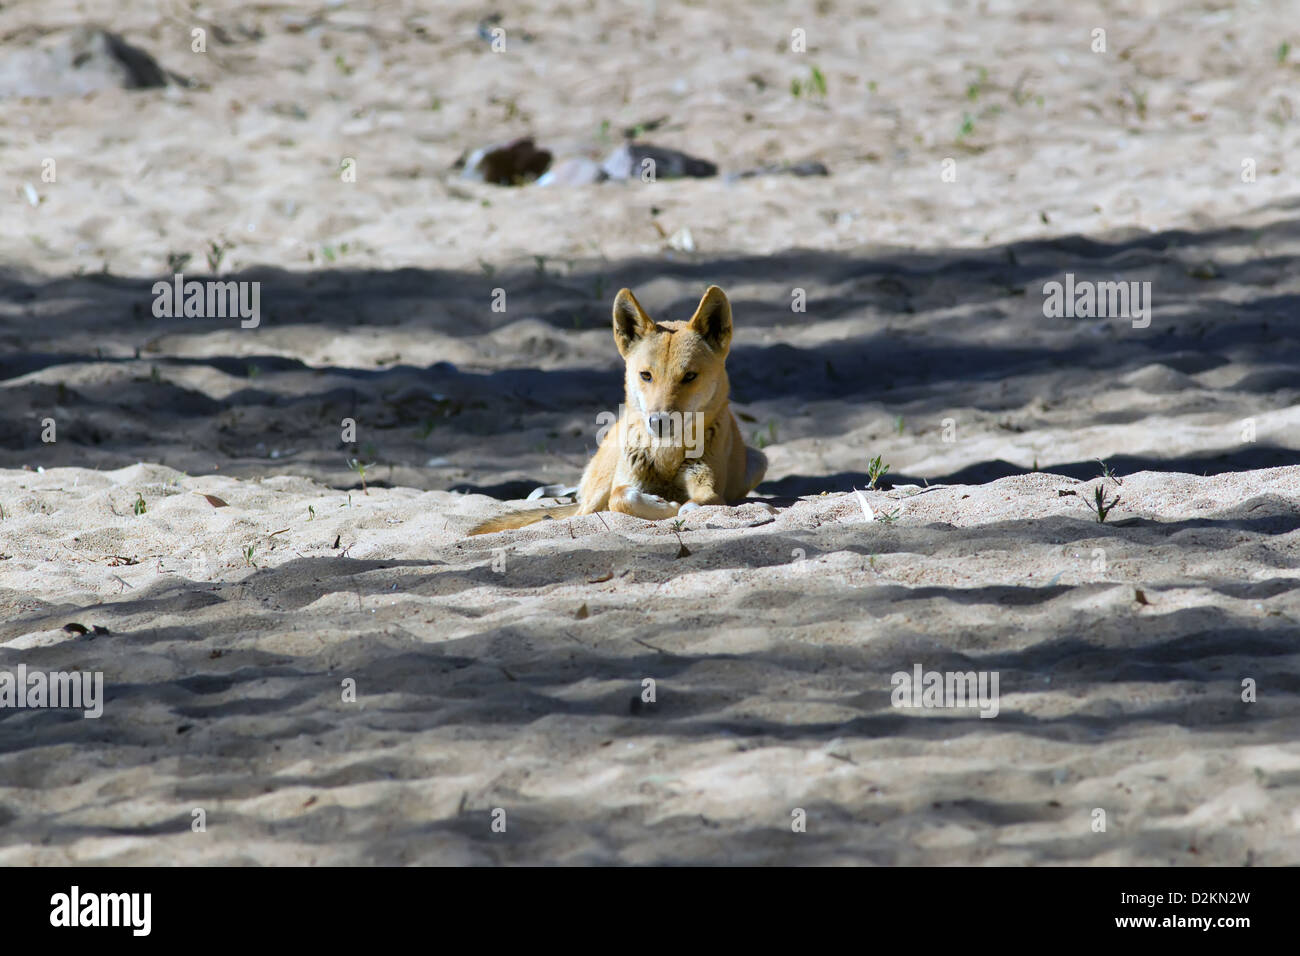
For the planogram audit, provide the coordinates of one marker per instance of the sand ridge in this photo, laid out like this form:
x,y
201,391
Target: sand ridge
x,y
198,503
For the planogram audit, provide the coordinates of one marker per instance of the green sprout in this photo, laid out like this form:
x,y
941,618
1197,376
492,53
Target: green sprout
x,y
1102,508
876,469
359,467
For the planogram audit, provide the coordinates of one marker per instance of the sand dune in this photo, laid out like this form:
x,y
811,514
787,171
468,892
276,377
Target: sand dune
x,y
197,504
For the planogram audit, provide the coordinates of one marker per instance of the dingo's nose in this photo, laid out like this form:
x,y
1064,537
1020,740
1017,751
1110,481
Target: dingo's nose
x,y
660,424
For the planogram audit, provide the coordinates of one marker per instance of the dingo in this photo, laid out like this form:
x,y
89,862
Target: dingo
x,y
676,445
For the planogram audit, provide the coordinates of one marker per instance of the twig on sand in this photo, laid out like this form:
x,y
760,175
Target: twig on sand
x,y
653,648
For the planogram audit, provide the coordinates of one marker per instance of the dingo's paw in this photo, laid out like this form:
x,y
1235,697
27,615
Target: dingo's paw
x,y
644,505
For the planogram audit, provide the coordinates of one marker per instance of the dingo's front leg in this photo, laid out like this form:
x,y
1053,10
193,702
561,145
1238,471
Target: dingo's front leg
x,y
700,482
628,494
631,500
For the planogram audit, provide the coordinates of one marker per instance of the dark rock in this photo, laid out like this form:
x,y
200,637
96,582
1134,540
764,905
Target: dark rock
x,y
626,162
78,62
510,164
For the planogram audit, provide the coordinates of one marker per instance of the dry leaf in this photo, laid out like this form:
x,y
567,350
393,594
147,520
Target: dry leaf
x,y
213,500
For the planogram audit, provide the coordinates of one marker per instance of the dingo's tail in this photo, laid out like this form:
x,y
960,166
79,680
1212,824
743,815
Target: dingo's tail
x,y
518,519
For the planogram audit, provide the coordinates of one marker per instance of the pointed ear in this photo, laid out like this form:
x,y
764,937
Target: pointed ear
x,y
712,319
630,321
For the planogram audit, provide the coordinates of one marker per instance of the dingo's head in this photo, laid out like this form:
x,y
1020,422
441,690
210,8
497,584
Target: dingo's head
x,y
674,369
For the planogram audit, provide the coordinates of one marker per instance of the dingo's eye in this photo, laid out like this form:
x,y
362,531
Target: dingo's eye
x,y
645,376
688,377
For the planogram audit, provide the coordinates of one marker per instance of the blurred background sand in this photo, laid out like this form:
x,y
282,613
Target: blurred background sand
x,y
502,671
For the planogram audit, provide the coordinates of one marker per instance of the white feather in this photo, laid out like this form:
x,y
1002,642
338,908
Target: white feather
x,y
866,508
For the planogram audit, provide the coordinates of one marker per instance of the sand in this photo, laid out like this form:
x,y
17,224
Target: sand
x,y
335,674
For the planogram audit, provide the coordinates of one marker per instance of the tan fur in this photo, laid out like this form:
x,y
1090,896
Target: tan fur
x,y
628,472
517,519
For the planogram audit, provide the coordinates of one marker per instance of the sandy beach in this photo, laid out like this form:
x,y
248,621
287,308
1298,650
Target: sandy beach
x,y
301,648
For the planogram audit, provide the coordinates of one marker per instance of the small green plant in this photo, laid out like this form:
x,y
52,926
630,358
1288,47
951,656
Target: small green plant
x,y
975,87
248,557
359,466
815,85
217,250
1139,101
1102,508
898,424
1283,50
679,524
761,440
888,517
177,261
818,82
967,126
876,469
1109,473
311,513
139,507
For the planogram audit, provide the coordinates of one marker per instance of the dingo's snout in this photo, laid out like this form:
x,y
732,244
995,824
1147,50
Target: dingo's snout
x,y
661,424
